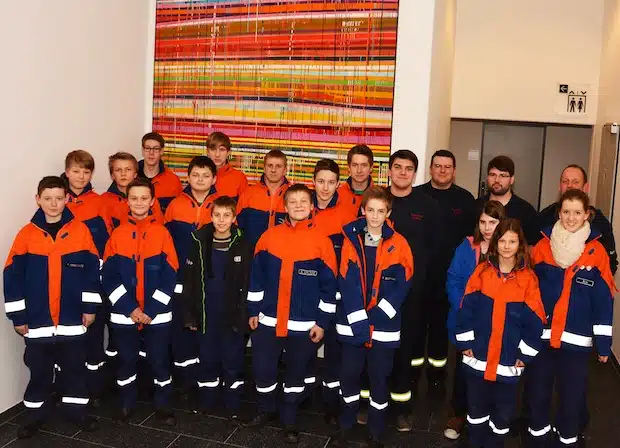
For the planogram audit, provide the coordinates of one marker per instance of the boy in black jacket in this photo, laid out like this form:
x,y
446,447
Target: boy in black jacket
x,y
215,288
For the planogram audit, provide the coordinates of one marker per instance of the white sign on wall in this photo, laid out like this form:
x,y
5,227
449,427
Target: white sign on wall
x,y
572,100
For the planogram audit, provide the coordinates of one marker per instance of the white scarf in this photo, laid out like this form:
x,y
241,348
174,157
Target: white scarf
x,y
566,246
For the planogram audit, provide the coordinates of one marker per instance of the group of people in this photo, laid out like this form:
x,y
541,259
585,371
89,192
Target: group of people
x,y
383,278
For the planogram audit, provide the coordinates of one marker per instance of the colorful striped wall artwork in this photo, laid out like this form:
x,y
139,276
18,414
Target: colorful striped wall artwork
x,y
311,78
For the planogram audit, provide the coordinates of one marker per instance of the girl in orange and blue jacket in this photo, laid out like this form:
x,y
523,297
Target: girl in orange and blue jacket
x,y
498,330
576,284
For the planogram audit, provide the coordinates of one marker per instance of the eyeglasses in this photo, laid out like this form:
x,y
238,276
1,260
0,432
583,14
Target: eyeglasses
x,y
501,176
152,148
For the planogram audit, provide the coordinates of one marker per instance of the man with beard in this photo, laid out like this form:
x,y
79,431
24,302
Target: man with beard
x,y
500,178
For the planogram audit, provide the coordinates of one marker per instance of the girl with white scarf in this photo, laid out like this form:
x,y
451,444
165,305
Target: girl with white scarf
x,y
576,286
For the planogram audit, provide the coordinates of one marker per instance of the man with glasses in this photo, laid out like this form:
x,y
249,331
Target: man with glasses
x,y
167,184
455,204
500,178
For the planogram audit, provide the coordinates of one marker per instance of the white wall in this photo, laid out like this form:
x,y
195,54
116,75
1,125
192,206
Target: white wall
x,y
510,56
73,77
609,111
424,56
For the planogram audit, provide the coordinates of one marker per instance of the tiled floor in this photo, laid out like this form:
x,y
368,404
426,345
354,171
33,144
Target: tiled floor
x,y
198,431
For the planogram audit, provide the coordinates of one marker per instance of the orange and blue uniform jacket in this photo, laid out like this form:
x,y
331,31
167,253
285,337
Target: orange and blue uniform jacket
x,y
578,300
114,201
364,318
49,284
230,182
500,320
349,197
139,270
259,210
89,208
185,215
167,184
332,219
293,279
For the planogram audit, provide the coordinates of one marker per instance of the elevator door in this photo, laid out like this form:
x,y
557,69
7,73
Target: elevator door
x,y
524,145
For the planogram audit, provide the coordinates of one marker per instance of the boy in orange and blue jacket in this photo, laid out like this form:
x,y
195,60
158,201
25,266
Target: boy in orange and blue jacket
x,y
139,276
261,206
291,301
360,160
230,181
330,215
123,169
185,214
375,277
51,290
87,206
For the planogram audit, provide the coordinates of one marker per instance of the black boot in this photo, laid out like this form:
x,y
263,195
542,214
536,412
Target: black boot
x,y
88,424
165,416
29,429
123,416
339,440
261,419
291,434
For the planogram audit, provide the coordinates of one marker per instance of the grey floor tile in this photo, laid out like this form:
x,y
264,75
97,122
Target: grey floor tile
x,y
190,442
8,432
207,427
127,436
110,409
56,424
269,437
48,440
11,413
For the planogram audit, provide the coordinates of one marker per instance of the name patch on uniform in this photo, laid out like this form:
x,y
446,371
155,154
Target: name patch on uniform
x,y
390,249
237,259
417,216
389,279
584,281
75,265
307,272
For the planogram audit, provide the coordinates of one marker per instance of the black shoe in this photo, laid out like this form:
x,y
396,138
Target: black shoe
x,y
123,416
291,434
88,424
331,418
339,440
233,416
581,440
261,419
374,442
28,430
165,416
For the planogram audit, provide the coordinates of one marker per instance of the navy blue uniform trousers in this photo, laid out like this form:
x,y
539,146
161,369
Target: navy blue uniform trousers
x,y
332,353
266,351
184,348
156,340
491,408
378,361
568,370
221,354
95,355
40,358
